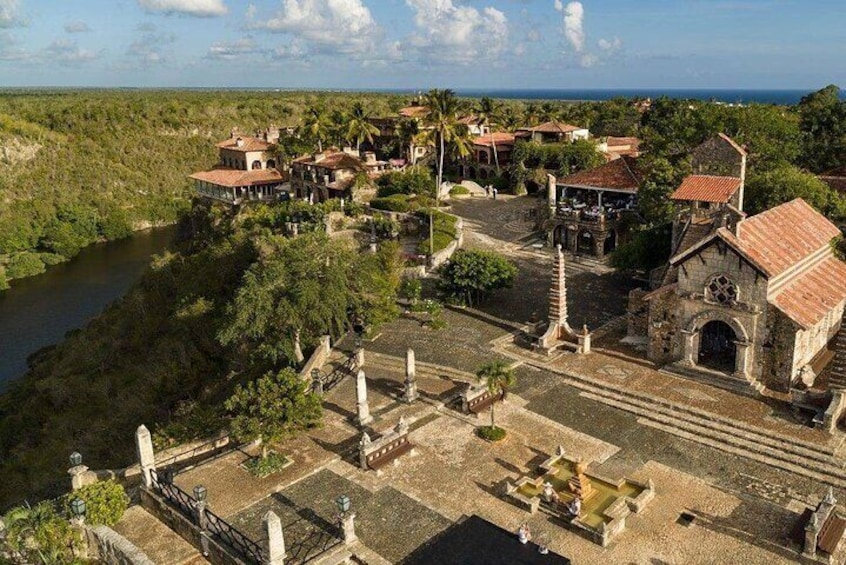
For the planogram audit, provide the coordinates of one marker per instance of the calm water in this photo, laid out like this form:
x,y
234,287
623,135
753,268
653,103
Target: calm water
x,y
38,311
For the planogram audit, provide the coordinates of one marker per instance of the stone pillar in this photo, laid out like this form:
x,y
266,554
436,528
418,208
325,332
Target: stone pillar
x,y
557,303
410,377
348,528
741,359
599,203
550,192
812,532
363,443
362,407
80,476
690,349
275,549
146,455
316,383
584,341
359,357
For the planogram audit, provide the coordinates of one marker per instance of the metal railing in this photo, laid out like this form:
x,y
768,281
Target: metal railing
x,y
338,373
181,500
227,534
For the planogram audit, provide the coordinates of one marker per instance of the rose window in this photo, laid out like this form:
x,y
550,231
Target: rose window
x,y
722,290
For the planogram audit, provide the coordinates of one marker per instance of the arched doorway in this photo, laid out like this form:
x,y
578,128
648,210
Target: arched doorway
x,y
610,242
717,349
562,237
584,245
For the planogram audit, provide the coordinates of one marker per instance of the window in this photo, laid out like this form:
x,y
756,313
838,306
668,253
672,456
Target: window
x,y
721,289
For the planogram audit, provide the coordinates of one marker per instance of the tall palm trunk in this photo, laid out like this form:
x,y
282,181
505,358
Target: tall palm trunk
x,y
493,422
298,351
319,145
496,155
437,198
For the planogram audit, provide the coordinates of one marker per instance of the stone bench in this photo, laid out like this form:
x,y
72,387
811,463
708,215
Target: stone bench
x,y
475,400
375,454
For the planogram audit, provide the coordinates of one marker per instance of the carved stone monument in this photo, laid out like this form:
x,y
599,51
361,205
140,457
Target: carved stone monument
x,y
410,377
362,407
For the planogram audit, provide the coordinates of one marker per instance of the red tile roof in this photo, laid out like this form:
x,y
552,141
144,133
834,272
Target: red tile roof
x,y
553,127
332,160
249,144
782,236
235,177
500,138
621,175
633,142
414,111
707,188
809,297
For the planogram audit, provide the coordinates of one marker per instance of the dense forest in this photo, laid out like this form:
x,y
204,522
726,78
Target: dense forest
x,y
235,298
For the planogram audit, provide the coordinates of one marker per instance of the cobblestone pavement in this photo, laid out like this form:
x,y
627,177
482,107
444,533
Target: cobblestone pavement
x,y
596,294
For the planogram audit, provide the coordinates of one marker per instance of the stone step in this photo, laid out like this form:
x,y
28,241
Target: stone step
x,y
749,387
803,470
823,452
750,448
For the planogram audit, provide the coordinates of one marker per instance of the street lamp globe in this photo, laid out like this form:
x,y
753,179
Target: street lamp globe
x,y
78,507
76,458
343,503
200,493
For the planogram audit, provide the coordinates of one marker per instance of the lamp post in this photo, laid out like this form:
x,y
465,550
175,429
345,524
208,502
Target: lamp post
x,y
347,519
77,506
75,459
200,494
77,471
316,382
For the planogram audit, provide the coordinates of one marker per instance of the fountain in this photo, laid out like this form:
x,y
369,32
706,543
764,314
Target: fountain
x,y
603,504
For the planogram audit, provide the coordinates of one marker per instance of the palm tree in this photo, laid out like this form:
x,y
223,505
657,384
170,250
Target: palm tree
x,y
442,120
531,114
510,118
489,110
315,125
339,126
359,127
499,377
407,132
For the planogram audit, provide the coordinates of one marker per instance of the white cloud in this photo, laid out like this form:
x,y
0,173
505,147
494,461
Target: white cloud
x,y
228,51
68,52
345,26
77,27
559,6
610,45
574,15
10,49
9,13
200,8
458,33
150,49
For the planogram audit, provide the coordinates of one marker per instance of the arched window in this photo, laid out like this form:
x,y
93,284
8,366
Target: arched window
x,y
271,164
721,289
256,165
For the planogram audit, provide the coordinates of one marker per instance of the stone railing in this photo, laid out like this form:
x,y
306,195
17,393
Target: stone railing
x,y
474,399
108,546
377,453
318,357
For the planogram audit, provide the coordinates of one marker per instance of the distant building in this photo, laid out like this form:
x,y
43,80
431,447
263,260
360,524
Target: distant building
x,y
590,207
246,171
481,164
553,132
332,173
616,147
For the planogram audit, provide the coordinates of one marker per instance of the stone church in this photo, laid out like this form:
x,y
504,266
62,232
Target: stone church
x,y
744,303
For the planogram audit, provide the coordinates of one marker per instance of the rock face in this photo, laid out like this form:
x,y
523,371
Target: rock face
x,y
14,152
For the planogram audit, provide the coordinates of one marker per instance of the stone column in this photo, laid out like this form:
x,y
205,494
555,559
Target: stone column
x,y
557,303
741,359
584,340
410,377
362,407
348,528
550,192
79,475
812,532
275,549
690,349
359,357
146,455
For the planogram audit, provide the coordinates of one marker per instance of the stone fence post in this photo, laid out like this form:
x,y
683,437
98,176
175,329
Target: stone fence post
x,y
275,550
146,455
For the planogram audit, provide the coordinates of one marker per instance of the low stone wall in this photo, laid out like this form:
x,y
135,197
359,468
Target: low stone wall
x,y
834,412
108,546
187,530
393,443
318,358
443,255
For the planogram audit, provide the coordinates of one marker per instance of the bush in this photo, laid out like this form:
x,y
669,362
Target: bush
x,y
411,289
105,502
491,433
386,228
415,180
393,203
445,232
24,264
4,283
51,259
459,190
262,467
472,275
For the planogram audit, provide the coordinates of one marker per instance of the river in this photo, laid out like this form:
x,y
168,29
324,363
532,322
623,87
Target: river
x,y
38,311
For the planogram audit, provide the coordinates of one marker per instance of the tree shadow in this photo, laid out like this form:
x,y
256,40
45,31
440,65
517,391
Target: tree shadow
x,y
510,467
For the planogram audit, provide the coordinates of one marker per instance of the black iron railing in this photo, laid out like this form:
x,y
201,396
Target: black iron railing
x,y
181,500
337,375
227,534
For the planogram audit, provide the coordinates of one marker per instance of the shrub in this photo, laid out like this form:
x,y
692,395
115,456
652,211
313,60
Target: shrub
x,y
23,265
393,203
459,190
38,534
411,289
386,228
491,433
262,467
415,180
4,283
51,259
445,231
105,502
472,275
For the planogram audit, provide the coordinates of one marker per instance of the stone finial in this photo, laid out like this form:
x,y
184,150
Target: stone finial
x,y
585,329
275,549
829,497
813,523
561,452
401,426
365,440
146,455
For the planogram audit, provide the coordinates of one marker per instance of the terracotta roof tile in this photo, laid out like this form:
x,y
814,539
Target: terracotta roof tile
x,y
414,111
633,142
706,188
782,236
621,175
235,177
809,297
332,161
553,127
249,144
500,138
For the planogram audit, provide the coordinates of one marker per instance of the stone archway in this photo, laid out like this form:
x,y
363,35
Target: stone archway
x,y
717,349
584,243
715,340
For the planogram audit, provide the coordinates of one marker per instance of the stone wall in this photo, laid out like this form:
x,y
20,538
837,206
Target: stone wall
x,y
716,156
318,357
637,315
108,546
663,328
443,255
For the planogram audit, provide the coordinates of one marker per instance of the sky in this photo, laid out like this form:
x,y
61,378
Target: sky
x,y
361,44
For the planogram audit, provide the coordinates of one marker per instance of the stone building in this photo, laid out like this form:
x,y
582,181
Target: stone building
x,y
593,210
553,132
247,170
616,147
331,174
481,164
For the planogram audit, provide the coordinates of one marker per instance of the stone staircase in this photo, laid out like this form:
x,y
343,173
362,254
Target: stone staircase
x,y
838,368
819,460
749,387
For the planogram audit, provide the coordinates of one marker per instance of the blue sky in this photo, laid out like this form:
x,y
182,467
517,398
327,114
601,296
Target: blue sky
x,y
424,43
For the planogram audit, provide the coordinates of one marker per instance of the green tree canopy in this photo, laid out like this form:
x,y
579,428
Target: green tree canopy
x,y
823,121
40,535
786,182
471,275
273,407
